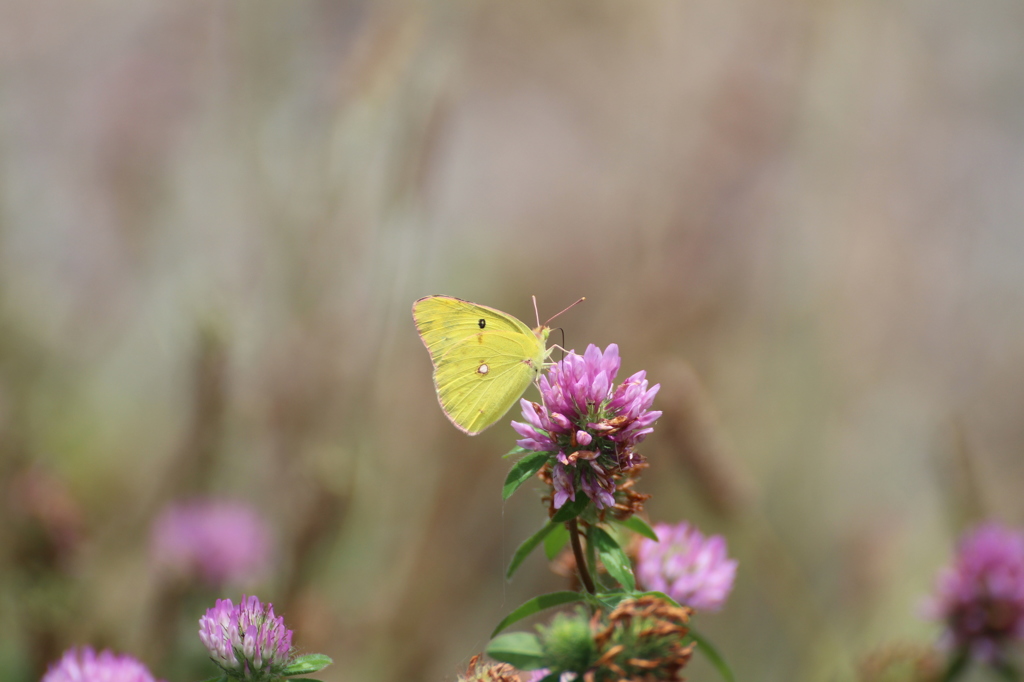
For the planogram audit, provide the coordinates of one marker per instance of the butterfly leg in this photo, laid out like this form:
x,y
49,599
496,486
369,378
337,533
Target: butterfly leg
x,y
550,350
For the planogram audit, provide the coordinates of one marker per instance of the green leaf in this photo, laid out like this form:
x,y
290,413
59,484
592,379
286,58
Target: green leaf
x,y
553,677
659,595
521,472
613,557
302,679
309,663
711,653
607,600
532,606
515,451
218,678
639,526
571,509
528,546
555,541
520,649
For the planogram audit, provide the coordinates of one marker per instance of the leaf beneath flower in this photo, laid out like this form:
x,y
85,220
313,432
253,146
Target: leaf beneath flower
x,y
659,595
528,546
309,663
522,471
532,606
555,541
520,649
614,558
606,600
639,526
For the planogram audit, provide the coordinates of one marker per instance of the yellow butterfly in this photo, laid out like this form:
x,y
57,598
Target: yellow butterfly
x,y
483,358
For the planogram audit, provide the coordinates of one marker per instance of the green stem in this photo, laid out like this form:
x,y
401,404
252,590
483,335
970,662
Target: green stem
x,y
592,557
577,551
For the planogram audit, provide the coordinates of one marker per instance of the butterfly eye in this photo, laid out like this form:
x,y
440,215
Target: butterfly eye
x,y
482,323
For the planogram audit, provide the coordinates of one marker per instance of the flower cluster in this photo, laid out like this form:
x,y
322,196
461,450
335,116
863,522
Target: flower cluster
x,y
980,597
221,541
693,570
641,639
590,426
247,641
85,665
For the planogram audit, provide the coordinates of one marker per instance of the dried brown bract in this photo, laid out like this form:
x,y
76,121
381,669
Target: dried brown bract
x,y
642,639
498,672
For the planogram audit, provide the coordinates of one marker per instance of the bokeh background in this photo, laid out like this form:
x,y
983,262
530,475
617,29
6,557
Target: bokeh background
x,y
802,218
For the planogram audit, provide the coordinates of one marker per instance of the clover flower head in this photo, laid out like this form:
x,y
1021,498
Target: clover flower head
x,y
589,425
221,541
247,641
85,665
694,570
980,596
641,639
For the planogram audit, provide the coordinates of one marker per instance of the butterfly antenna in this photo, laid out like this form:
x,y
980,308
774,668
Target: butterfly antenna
x,y
537,314
582,299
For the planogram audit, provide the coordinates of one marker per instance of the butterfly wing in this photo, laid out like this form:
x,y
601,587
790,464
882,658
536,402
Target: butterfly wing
x,y
444,320
483,359
480,378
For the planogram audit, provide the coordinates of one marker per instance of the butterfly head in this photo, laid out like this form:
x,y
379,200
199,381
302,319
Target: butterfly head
x,y
542,330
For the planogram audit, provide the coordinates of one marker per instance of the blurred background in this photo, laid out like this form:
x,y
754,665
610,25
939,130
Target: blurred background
x,y
802,219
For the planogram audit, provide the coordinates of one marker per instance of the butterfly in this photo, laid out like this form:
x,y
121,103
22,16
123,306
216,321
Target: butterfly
x,y
483,359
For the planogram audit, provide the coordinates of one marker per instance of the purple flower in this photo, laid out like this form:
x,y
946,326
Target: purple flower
x,y
980,597
223,542
589,425
597,485
562,483
85,665
574,386
247,640
694,570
